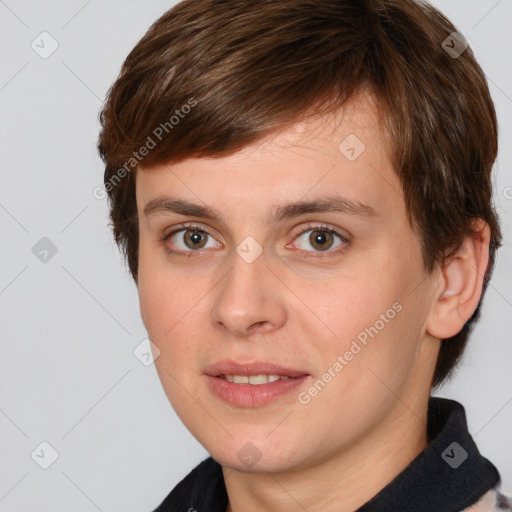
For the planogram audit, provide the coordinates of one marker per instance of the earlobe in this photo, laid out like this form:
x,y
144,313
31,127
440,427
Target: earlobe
x,y
460,285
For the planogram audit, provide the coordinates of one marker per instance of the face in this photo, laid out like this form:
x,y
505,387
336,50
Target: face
x,y
331,291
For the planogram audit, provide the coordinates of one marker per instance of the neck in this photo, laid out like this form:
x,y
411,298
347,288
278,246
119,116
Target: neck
x,y
345,480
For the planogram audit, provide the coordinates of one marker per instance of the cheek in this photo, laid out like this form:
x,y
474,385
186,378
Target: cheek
x,y
174,308
164,298
366,319
348,305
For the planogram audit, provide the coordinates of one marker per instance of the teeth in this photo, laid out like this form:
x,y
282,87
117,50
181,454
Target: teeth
x,y
258,379
254,379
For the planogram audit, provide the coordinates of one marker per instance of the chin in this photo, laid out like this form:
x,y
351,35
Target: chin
x,y
255,456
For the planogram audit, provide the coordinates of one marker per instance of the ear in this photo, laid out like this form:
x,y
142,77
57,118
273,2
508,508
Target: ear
x,y
460,285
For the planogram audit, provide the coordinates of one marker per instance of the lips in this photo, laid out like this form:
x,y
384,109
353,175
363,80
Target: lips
x,y
254,394
223,368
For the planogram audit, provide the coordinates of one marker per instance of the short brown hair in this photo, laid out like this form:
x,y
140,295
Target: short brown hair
x,y
250,67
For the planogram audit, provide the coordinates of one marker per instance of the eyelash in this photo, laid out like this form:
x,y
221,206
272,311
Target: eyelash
x,y
309,227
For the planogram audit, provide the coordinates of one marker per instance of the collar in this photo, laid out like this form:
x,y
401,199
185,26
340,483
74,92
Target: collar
x,y
450,474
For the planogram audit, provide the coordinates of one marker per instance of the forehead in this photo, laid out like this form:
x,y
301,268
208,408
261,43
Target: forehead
x,y
342,151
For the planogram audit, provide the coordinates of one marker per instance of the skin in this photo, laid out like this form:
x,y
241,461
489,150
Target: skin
x,y
293,307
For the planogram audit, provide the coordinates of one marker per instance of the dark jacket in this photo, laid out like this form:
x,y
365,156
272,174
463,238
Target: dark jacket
x,y
449,475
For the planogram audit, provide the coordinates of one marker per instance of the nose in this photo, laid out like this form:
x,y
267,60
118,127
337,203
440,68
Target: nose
x,y
250,298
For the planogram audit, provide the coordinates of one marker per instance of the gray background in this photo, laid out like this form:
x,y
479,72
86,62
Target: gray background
x,y
68,375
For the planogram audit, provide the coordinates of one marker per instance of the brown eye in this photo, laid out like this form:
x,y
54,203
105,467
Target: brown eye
x,y
188,240
321,240
195,239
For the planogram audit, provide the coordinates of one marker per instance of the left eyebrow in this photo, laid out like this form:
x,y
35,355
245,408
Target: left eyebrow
x,y
323,204
165,204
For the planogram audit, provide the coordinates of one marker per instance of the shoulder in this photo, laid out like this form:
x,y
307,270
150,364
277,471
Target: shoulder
x,y
202,487
492,501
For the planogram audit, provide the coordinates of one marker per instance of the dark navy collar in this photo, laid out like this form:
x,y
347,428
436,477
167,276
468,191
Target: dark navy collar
x,y
449,475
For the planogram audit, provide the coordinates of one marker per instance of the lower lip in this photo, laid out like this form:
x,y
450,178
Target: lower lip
x,y
249,395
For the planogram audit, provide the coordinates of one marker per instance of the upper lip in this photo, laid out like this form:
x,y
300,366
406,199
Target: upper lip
x,y
251,368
